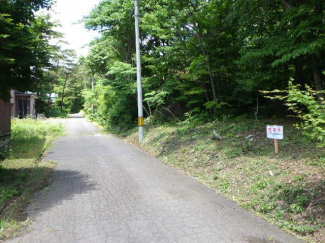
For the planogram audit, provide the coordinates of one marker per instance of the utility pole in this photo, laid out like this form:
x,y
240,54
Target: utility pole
x,y
92,90
139,85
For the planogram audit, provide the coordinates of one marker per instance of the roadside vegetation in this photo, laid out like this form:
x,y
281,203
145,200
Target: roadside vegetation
x,y
286,189
22,170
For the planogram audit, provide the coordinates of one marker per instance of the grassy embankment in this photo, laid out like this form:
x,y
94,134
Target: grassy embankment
x,y
22,170
287,189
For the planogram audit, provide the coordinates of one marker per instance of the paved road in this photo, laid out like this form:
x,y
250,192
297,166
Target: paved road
x,y
107,191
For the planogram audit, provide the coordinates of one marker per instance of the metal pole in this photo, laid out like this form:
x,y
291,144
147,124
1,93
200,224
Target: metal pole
x,y
92,90
139,85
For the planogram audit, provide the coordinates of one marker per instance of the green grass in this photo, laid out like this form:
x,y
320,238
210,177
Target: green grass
x,y
22,172
287,189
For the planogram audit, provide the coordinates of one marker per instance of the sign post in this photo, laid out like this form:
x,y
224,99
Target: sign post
x,y
276,146
275,132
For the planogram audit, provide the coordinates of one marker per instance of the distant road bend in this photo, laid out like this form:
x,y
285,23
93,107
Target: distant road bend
x,y
107,191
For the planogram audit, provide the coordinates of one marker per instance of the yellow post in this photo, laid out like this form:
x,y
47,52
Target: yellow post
x,y
140,121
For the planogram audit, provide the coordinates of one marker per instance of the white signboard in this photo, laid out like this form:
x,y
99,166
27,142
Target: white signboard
x,y
274,131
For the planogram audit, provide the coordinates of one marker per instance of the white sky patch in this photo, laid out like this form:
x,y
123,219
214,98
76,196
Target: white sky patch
x,y
69,13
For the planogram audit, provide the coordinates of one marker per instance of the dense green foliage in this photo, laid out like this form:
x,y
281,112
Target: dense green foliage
x,y
310,111
305,106
24,44
203,58
113,99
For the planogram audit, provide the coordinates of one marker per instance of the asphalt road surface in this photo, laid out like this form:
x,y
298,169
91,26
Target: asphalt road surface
x,y
105,190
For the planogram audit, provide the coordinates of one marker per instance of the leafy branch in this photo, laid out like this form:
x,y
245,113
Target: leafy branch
x,y
307,108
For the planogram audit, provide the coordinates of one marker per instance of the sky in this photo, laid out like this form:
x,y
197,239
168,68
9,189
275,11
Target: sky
x,y
69,12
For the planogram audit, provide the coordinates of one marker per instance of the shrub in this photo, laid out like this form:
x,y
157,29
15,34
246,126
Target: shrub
x,y
311,112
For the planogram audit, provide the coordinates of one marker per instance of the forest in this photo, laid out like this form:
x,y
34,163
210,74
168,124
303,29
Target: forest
x,y
200,60
203,58
206,59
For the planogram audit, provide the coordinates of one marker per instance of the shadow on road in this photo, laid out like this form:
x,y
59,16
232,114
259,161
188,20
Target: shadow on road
x,y
18,187
66,184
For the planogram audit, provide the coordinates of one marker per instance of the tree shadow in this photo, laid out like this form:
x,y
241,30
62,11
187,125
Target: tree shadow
x,y
29,192
18,169
19,161
63,185
20,147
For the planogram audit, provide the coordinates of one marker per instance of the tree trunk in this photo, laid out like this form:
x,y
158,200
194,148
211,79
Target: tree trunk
x,y
199,37
55,75
206,92
317,78
208,65
64,85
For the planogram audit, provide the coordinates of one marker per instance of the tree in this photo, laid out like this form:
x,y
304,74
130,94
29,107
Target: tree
x,y
24,44
210,56
281,39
